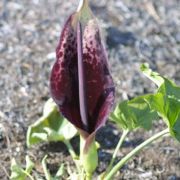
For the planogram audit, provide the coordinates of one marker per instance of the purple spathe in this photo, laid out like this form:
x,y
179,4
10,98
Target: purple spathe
x,y
80,82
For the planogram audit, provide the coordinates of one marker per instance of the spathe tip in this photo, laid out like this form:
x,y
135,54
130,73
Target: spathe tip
x,y
82,4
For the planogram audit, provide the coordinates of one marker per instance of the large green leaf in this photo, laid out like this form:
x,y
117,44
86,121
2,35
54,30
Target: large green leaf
x,y
134,113
52,126
176,128
140,111
168,108
166,101
169,88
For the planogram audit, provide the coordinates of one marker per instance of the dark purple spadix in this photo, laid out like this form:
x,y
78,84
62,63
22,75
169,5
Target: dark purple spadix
x,y
80,81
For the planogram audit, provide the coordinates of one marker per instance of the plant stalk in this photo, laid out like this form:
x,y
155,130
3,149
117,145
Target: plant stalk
x,y
88,177
116,168
70,149
123,136
88,156
31,178
73,155
46,171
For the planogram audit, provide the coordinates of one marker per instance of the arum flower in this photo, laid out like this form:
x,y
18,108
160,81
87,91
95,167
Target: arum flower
x,y
80,81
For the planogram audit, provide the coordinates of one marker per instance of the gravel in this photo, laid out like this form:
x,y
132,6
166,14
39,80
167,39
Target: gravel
x,y
134,32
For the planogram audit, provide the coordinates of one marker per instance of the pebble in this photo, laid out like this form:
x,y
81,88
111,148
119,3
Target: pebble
x,y
51,56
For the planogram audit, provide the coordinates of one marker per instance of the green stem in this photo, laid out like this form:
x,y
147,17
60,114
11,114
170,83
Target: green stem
x,y
25,172
88,177
124,134
46,171
88,156
70,149
116,168
73,154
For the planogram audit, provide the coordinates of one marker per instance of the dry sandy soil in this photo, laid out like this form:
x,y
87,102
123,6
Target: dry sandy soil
x,y
135,31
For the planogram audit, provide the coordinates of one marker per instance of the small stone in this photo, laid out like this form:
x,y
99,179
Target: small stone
x,y
145,175
51,56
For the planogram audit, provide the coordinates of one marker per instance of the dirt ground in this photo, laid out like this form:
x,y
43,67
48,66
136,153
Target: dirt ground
x,y
134,31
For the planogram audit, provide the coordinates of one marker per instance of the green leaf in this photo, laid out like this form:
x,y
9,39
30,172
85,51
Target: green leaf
x,y
140,111
167,100
49,107
133,114
52,126
166,86
169,88
176,128
29,165
168,108
154,76
17,173
60,171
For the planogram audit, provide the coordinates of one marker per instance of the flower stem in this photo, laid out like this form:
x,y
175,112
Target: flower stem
x,y
116,168
89,177
73,154
88,156
25,172
124,134
46,171
70,149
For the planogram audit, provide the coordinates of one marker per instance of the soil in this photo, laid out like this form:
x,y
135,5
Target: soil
x,y
134,32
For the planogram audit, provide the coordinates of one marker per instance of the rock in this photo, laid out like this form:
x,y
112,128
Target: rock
x,y
116,37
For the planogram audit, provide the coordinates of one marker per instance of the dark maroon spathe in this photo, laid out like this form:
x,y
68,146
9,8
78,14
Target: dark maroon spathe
x,y
80,81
